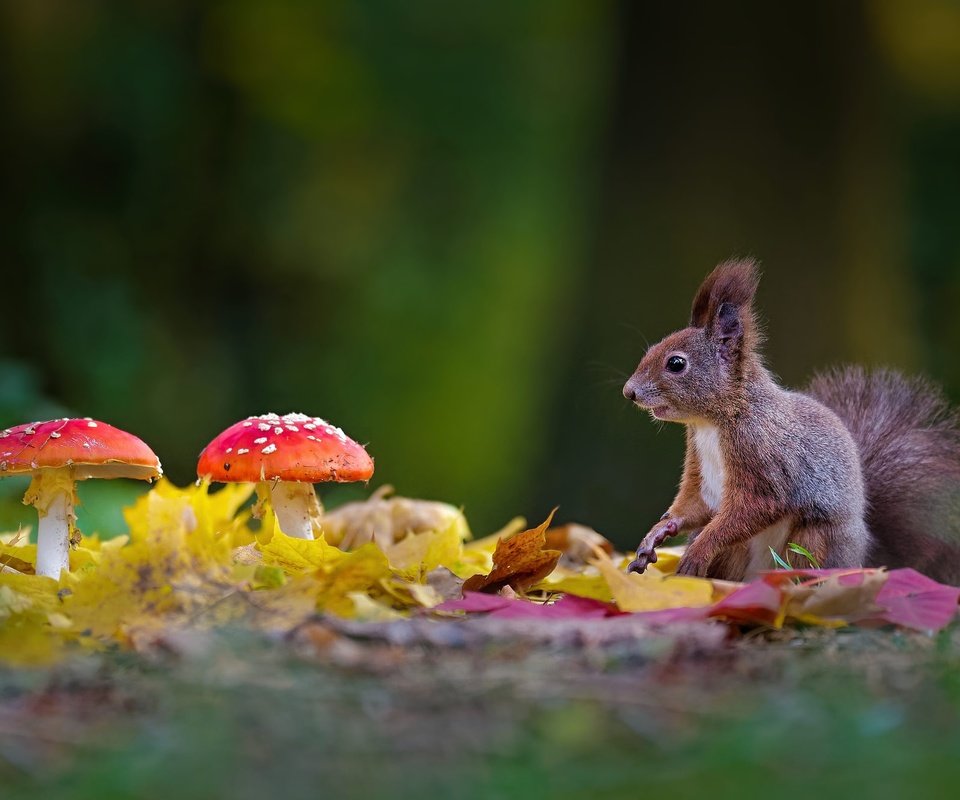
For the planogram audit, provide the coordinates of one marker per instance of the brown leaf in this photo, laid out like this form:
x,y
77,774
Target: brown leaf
x,y
578,543
518,562
844,596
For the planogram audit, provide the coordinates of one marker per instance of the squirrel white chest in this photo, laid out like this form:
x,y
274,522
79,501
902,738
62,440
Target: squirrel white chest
x,y
713,474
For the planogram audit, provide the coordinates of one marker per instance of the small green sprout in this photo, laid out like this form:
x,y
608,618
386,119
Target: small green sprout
x,y
800,550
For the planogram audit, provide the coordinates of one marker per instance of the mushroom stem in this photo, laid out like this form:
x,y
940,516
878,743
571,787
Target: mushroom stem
x,y
296,506
53,535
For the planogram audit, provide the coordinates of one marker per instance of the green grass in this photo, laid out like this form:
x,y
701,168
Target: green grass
x,y
854,713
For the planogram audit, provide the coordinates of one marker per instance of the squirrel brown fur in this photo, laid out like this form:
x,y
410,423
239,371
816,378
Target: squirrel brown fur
x,y
861,468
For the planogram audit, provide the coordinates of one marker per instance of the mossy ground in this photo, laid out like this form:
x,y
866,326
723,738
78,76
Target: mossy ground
x,y
848,713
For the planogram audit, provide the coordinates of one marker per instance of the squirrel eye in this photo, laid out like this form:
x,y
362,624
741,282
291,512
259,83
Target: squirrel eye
x,y
676,364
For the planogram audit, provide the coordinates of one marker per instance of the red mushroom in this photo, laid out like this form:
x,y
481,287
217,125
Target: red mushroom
x,y
58,453
284,456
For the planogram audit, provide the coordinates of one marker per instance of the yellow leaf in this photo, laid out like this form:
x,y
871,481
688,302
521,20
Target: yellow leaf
x,y
651,591
366,609
418,553
588,583
358,571
27,640
299,556
38,592
174,567
411,593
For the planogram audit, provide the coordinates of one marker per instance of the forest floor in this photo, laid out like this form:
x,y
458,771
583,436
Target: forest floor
x,y
477,708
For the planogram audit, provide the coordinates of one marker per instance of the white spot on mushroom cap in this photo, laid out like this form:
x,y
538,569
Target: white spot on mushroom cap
x,y
54,435
278,430
264,426
229,450
91,424
270,448
242,450
260,440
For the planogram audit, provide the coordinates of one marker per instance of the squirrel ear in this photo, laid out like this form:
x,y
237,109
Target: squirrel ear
x,y
726,329
733,282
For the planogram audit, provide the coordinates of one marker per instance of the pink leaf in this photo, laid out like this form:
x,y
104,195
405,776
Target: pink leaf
x,y
916,601
755,602
476,601
569,606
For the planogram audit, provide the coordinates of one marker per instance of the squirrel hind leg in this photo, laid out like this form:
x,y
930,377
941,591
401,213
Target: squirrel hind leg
x,y
832,544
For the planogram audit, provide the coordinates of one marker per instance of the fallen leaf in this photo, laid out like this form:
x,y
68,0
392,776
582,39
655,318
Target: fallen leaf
x,y
916,601
843,597
299,556
357,571
518,562
585,582
515,608
652,591
578,543
757,602
386,520
419,553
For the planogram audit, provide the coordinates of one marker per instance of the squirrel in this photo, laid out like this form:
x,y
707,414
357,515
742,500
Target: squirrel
x,y
861,468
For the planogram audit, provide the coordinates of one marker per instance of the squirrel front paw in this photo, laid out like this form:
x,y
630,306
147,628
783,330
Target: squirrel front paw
x,y
646,552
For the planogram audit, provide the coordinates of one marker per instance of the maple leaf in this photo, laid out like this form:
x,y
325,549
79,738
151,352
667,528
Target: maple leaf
x,y
419,553
176,565
519,562
358,571
27,603
299,556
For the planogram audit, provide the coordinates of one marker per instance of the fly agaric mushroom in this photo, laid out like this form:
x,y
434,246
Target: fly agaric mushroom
x,y
58,453
284,456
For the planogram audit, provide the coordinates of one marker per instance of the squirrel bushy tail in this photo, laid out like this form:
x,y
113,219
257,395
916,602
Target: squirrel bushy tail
x,y
909,442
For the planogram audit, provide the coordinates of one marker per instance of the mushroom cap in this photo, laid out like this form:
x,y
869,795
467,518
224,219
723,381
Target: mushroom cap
x,y
293,447
88,447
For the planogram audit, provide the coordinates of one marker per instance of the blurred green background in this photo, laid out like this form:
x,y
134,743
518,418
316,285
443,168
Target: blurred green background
x,y
452,230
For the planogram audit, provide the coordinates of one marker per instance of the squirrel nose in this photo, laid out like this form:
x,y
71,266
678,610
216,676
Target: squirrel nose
x,y
629,391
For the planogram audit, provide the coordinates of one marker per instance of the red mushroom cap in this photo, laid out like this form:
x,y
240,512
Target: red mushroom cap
x,y
90,448
293,447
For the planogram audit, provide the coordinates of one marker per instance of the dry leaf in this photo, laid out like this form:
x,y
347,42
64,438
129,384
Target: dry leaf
x,y
386,520
518,562
652,591
578,543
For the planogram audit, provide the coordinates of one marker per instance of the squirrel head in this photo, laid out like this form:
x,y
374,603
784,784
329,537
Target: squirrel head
x,y
698,373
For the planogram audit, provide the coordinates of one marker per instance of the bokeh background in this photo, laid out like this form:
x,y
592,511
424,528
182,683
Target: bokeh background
x,y
451,229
